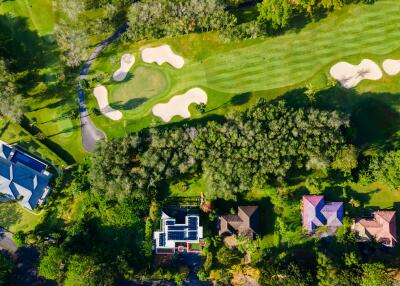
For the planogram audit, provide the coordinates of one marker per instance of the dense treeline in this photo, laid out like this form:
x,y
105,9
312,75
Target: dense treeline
x,y
160,18
279,14
157,19
78,29
266,142
246,151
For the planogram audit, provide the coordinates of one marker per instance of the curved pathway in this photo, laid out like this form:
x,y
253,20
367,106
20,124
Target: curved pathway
x,y
90,133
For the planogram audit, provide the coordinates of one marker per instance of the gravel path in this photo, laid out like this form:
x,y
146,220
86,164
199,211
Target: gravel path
x,y
90,133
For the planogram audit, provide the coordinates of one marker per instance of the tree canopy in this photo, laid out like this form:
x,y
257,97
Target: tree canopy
x,y
163,18
11,103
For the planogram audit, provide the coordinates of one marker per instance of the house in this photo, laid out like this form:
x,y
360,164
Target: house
x,y
316,212
175,234
382,227
245,222
22,177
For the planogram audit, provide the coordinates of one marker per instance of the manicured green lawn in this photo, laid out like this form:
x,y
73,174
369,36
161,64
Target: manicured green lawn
x,y
235,74
195,187
378,195
15,134
63,132
14,217
39,13
48,97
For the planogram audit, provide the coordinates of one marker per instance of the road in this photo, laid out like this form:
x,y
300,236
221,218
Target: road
x,y
6,242
90,133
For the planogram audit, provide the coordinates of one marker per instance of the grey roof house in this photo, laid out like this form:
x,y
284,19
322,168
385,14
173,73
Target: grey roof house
x,y
22,176
245,222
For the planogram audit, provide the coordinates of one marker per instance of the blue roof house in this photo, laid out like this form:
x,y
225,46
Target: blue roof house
x,y
181,234
22,176
316,212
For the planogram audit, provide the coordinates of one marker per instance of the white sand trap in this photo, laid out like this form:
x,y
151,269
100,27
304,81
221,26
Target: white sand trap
x,y
162,54
101,94
127,61
350,75
179,104
391,67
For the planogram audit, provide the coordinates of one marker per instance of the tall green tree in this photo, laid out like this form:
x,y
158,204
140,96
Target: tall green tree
x,y
375,274
264,144
384,167
278,13
84,271
53,265
11,103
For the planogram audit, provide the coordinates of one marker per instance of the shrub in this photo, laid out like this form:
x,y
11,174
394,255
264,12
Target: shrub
x,y
19,238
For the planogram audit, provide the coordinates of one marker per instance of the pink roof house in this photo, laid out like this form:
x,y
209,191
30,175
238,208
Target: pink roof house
x,y
382,227
316,212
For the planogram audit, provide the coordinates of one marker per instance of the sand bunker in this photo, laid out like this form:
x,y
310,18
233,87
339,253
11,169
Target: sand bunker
x,y
127,61
351,75
179,104
391,67
161,55
101,94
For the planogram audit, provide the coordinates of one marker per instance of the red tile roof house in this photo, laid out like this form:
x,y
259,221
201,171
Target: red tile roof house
x,y
381,227
316,212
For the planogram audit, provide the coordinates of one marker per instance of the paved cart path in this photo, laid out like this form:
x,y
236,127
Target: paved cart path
x,y
90,133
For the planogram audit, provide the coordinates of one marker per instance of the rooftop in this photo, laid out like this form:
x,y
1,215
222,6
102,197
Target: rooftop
x,y
382,227
172,232
316,212
22,176
245,222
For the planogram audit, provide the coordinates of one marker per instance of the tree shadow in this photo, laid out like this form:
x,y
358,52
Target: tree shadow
x,y
240,98
56,148
373,120
130,104
67,130
127,78
25,48
186,123
295,98
27,259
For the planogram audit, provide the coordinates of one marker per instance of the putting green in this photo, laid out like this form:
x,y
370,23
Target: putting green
x,y
140,84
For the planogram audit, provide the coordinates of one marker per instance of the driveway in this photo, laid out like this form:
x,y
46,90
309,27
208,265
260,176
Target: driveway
x,y
90,133
6,242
